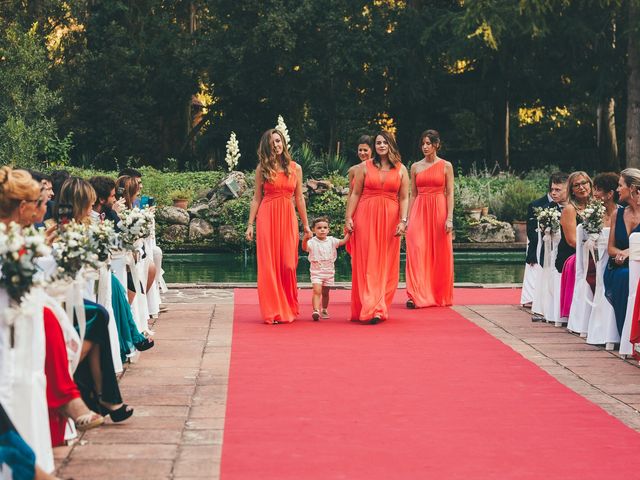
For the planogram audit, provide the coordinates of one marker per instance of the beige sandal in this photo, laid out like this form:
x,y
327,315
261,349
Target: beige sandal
x,y
88,421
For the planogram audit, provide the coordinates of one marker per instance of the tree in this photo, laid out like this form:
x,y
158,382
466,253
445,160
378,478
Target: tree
x,y
633,86
28,131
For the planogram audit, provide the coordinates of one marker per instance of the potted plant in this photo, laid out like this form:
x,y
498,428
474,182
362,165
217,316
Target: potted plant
x,y
514,201
470,201
181,197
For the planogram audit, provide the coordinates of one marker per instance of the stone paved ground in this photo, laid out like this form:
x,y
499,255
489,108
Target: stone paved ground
x,y
179,388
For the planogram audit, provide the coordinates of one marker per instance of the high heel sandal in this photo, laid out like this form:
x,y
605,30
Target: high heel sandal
x,y
88,421
119,414
146,344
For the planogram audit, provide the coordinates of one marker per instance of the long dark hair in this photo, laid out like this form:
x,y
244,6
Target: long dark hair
x,y
394,153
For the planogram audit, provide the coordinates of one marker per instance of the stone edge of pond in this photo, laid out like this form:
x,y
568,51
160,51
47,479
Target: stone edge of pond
x,y
307,285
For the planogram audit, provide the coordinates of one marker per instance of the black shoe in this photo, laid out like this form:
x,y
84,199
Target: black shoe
x,y
315,315
146,344
410,304
537,318
119,414
375,320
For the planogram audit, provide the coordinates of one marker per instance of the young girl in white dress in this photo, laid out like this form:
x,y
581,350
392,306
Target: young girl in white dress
x,y
323,251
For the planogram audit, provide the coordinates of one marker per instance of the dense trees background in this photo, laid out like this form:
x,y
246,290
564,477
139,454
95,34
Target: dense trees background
x,y
520,84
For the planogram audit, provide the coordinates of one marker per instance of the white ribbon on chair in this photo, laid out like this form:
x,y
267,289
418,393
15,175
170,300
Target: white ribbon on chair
x,y
104,299
626,347
589,250
74,303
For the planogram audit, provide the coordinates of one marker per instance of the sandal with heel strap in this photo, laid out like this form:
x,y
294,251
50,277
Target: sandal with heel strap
x,y
119,414
88,421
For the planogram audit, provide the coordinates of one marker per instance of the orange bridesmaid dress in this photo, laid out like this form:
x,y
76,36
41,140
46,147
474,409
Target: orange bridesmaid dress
x,y
277,238
429,268
375,250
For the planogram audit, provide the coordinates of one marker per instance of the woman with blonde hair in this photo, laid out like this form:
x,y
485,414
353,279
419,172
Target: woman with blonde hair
x,y
580,189
624,222
278,180
377,217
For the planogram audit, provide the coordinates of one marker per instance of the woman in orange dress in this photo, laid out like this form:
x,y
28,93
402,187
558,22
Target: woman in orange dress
x,y
365,152
429,269
278,179
376,216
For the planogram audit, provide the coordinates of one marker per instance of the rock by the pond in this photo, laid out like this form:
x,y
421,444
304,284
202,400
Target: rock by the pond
x,y
319,186
173,216
175,234
200,229
229,234
490,230
199,211
233,186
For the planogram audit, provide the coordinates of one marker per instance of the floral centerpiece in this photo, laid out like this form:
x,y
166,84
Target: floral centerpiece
x,y
104,238
73,249
548,220
135,224
18,249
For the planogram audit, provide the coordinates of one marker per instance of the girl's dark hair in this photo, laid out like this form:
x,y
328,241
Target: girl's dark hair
x,y
130,189
607,182
433,136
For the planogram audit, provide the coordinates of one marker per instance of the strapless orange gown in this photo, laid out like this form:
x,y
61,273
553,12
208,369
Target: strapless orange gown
x,y
277,238
429,267
375,250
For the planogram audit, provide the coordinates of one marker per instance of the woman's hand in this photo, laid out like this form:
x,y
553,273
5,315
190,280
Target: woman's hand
x,y
621,257
248,234
401,228
348,225
307,232
50,234
448,226
119,205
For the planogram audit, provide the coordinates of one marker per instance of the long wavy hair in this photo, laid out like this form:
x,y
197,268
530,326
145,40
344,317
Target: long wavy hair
x,y
269,160
394,153
130,188
78,193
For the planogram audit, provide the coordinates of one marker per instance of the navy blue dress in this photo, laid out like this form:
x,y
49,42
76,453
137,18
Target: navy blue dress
x,y
14,452
616,277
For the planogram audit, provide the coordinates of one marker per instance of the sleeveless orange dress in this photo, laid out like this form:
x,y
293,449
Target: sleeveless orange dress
x,y
277,238
429,268
375,250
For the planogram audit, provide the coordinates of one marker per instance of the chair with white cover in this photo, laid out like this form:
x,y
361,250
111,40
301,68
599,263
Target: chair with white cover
x,y
23,385
582,294
546,302
602,328
530,280
626,347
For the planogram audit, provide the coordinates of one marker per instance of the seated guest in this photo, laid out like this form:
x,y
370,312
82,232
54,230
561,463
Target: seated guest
x,y
624,222
17,459
130,337
58,177
534,259
95,377
604,189
580,187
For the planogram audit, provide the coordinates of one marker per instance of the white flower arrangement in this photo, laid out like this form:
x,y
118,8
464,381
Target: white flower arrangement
x,y
282,128
593,217
548,220
233,152
135,224
18,249
104,238
74,249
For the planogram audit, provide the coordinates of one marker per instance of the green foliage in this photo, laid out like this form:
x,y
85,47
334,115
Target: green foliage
x,y
333,206
235,212
308,161
181,194
160,184
512,204
28,131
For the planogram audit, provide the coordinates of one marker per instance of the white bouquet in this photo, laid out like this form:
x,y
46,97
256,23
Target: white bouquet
x,y
73,249
233,152
104,238
548,220
135,225
593,217
18,249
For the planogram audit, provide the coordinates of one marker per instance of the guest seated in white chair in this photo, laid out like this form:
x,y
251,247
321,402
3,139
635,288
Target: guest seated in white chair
x,y
129,336
625,221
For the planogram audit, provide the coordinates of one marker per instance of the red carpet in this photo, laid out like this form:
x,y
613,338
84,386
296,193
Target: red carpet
x,y
426,395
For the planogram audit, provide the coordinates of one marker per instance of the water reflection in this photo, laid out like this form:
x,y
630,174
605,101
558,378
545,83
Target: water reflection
x,y
485,267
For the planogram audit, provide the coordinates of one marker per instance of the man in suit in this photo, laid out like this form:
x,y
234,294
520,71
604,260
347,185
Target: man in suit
x,y
556,195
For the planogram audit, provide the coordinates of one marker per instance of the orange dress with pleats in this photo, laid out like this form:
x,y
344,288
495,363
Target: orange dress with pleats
x,y
375,250
277,238
429,268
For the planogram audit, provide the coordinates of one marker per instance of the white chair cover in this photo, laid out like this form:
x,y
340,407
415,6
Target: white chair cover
x,y
602,320
23,392
582,295
547,297
104,299
626,347
531,273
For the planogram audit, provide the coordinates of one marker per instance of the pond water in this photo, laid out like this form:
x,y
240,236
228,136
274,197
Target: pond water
x,y
476,267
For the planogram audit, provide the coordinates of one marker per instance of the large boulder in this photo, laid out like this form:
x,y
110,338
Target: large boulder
x,y
229,235
200,229
175,234
199,211
172,216
318,186
490,230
